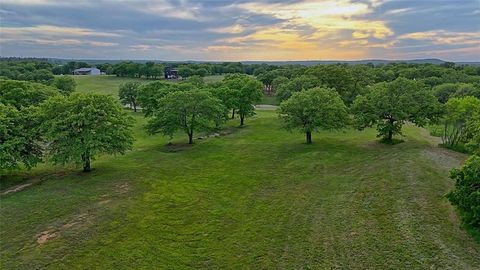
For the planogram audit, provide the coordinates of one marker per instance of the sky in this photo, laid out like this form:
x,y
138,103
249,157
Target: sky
x,y
241,30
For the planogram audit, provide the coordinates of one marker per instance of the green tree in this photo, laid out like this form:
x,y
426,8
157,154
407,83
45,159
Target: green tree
x,y
390,105
457,113
473,132
65,84
227,96
128,94
466,195
465,90
150,94
444,91
313,110
82,126
185,71
23,94
19,137
247,92
188,111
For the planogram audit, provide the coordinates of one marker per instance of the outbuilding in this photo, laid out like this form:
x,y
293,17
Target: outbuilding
x,y
87,71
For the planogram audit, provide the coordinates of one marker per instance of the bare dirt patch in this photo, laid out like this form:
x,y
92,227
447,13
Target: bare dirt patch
x,y
17,188
54,232
44,236
443,157
122,188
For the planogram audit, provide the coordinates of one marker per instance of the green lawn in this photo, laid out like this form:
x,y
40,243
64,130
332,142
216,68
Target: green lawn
x,y
258,198
102,84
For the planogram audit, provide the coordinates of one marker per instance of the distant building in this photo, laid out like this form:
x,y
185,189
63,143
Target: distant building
x,y
86,71
171,73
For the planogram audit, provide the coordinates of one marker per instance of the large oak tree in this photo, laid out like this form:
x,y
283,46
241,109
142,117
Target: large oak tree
x,y
81,126
390,105
188,111
313,110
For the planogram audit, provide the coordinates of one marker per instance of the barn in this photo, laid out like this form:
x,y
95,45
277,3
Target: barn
x,y
87,71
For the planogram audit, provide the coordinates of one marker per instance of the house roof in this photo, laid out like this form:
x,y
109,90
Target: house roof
x,y
85,69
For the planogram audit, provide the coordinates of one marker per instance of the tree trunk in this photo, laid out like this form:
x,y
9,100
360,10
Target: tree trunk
x,y
242,117
309,137
233,114
134,107
190,138
390,132
86,162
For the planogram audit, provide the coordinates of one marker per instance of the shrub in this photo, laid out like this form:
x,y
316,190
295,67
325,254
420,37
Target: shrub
x,y
466,195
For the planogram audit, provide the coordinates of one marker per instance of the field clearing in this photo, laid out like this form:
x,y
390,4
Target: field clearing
x,y
103,84
257,198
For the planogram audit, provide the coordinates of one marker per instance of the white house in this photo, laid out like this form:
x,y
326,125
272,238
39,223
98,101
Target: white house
x,y
87,71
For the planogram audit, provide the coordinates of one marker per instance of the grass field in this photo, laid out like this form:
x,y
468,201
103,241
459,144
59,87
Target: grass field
x,y
258,198
102,84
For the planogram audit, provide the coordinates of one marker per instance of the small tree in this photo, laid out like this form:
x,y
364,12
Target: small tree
x,y
390,105
65,84
247,92
128,94
189,111
466,195
313,110
458,112
82,126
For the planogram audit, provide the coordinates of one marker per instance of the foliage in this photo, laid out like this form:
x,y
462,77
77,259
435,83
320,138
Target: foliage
x,y
289,87
247,91
149,95
23,94
128,94
444,91
466,195
65,84
228,97
457,113
82,126
473,132
313,110
390,105
188,111
20,141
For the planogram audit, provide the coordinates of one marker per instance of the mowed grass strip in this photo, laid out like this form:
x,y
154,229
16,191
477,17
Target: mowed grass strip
x,y
257,198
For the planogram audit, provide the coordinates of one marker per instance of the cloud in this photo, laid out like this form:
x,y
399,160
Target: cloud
x,y
51,30
444,37
239,29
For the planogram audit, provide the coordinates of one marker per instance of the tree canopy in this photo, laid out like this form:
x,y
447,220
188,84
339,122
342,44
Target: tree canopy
x,y
247,92
23,94
82,126
128,94
65,84
20,141
188,111
313,110
458,113
390,105
466,195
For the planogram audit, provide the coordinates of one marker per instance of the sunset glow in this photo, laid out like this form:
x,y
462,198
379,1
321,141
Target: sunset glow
x,y
242,30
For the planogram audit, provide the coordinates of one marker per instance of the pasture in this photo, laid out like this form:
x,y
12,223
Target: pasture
x,y
256,197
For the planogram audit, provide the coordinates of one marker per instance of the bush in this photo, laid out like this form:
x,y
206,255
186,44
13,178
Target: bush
x,y
466,195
